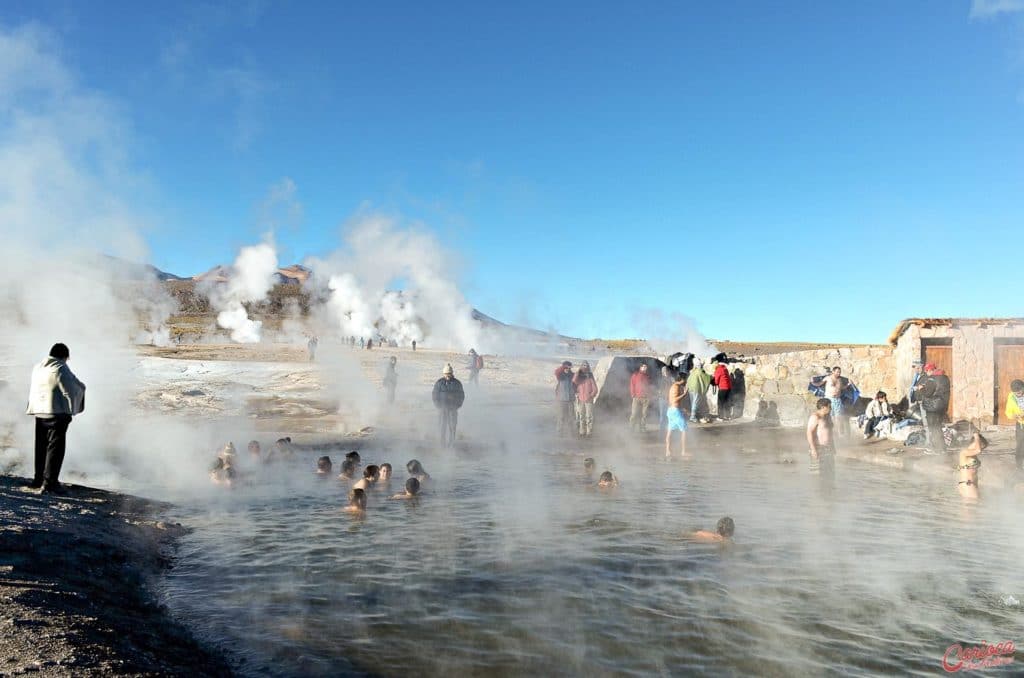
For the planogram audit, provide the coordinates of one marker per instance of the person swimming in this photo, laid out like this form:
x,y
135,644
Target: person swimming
x,y
385,472
607,479
588,465
356,501
255,453
723,532
324,466
371,474
348,470
222,472
412,489
969,465
354,457
416,470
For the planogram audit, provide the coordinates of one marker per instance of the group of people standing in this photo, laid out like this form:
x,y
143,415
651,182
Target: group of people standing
x,y
575,394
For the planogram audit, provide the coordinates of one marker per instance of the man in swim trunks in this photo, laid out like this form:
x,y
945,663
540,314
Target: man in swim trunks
x,y
676,418
820,439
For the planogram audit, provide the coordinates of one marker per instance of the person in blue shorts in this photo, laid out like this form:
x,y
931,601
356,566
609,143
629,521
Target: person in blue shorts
x,y
676,419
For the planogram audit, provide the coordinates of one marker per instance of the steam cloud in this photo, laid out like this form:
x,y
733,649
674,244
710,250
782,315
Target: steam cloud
x,y
251,278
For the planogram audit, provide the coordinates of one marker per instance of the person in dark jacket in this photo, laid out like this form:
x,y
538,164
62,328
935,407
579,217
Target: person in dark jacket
x,y
448,398
933,394
723,382
738,399
474,365
565,398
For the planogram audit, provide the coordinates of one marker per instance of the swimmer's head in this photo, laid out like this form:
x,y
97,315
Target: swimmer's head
x,y
588,463
348,468
823,406
412,486
680,377
414,467
385,471
371,472
323,465
606,479
353,456
357,498
394,360
228,451
254,448
726,527
982,441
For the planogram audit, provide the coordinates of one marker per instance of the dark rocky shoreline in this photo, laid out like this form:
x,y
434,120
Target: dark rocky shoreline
x,y
76,587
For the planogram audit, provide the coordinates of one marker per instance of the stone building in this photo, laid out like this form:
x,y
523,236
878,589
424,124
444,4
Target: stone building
x,y
980,355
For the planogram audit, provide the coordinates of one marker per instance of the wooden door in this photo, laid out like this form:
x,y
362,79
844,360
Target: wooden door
x,y
942,356
1009,366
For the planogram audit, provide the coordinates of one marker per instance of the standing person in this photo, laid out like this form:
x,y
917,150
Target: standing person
x,y
448,397
675,417
915,379
474,365
640,392
933,394
834,385
565,396
586,393
369,344
391,379
55,396
1015,411
821,440
413,345
311,347
878,409
697,385
738,399
667,377
723,382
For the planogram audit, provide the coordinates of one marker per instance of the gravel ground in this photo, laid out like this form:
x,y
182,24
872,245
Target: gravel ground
x,y
74,587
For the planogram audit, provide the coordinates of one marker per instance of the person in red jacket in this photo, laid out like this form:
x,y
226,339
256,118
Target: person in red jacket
x,y
640,392
586,392
723,382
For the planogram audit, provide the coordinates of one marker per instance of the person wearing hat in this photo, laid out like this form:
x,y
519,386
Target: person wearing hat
x,y
391,379
586,394
565,397
933,394
475,364
448,397
697,384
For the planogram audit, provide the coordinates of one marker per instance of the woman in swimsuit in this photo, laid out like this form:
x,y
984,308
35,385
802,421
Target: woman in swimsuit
x,y
968,467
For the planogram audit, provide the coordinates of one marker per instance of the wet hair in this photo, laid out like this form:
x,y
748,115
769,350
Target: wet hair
x,y
387,466
1017,385
881,394
353,456
607,477
412,486
323,464
823,402
348,468
679,376
982,440
726,527
837,367
254,446
357,498
588,463
60,351
283,441
371,471
414,467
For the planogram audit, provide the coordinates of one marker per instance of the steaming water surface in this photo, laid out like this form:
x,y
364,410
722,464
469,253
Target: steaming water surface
x,y
513,563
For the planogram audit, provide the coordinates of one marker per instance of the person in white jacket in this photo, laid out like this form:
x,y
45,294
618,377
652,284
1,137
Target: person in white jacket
x,y
878,409
55,396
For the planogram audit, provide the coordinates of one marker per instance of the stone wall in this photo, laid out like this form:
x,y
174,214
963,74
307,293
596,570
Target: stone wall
x,y
973,379
783,378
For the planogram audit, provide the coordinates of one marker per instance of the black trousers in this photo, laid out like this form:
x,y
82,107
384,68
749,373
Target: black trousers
x,y
1020,446
449,419
51,436
723,403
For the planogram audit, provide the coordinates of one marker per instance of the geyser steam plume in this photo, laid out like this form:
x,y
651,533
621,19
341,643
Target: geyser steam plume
x,y
358,286
250,279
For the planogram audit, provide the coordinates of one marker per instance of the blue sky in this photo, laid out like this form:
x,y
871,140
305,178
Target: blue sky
x,y
809,171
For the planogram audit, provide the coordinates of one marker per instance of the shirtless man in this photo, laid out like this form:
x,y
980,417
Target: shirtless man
x,y
371,474
412,490
356,502
834,385
820,439
723,532
675,416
